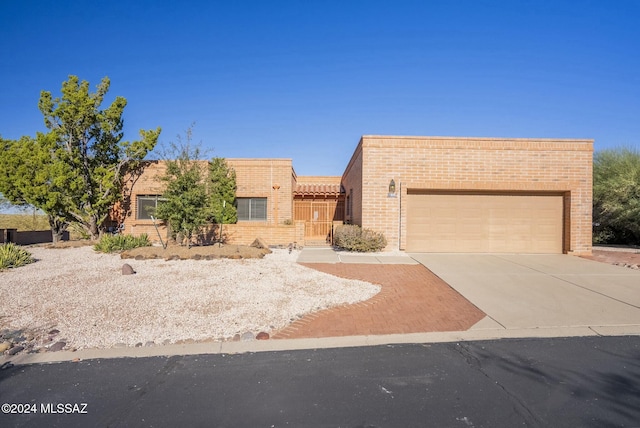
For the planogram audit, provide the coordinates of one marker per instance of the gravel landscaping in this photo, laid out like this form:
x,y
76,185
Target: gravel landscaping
x,y
75,298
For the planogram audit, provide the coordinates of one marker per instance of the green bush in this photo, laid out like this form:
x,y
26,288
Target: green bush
x,y
113,243
353,238
12,256
616,196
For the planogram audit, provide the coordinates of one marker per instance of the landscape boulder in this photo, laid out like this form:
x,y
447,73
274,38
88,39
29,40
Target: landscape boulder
x,y
260,244
127,269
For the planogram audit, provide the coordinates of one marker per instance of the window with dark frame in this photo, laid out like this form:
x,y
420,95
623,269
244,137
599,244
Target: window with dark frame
x,y
146,206
251,209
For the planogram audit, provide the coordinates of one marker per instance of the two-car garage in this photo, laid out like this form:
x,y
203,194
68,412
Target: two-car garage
x,y
477,222
473,194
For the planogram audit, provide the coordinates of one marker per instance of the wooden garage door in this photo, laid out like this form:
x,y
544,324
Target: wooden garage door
x,y
478,223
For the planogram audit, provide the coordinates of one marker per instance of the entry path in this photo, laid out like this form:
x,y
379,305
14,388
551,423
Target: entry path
x,y
412,300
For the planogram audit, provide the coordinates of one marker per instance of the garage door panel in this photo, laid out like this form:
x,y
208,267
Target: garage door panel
x,y
503,223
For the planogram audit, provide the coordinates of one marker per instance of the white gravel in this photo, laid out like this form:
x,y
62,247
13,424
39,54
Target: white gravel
x,y
84,295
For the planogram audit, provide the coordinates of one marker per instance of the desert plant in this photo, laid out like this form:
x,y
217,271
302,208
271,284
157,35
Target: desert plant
x,y
114,243
616,196
185,203
352,237
12,256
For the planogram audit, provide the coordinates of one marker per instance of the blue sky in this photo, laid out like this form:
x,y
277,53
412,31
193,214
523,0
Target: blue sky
x,y
305,79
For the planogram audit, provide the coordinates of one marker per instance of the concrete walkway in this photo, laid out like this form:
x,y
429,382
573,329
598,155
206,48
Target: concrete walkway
x,y
329,255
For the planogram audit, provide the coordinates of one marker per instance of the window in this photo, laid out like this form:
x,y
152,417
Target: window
x,y
252,209
147,205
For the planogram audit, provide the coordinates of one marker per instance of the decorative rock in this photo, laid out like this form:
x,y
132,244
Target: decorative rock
x,y
4,346
259,243
54,331
127,269
262,336
150,343
139,257
58,346
197,257
139,344
247,337
236,338
15,350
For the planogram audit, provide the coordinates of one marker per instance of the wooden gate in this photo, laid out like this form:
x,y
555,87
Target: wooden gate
x,y
318,216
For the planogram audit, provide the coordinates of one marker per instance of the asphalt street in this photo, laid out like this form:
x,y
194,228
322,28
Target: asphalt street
x,y
565,382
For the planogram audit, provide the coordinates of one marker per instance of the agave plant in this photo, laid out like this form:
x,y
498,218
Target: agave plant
x,y
114,243
12,256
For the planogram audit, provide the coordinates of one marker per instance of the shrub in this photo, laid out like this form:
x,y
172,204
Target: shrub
x,y
12,256
113,243
353,238
616,196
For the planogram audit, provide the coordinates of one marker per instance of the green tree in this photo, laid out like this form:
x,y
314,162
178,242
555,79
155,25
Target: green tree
x,y
78,168
31,174
616,196
222,192
185,203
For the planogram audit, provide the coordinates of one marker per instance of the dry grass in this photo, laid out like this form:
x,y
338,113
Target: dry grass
x,y
24,222
28,222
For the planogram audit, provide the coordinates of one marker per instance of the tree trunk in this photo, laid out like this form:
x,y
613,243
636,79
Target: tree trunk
x,y
58,227
93,229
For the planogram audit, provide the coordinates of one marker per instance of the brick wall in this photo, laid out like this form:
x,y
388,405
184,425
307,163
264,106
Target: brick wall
x,y
258,177
246,233
352,180
243,233
270,178
318,179
489,164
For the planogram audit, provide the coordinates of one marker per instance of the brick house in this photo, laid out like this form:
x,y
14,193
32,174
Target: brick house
x,y
473,194
431,194
273,203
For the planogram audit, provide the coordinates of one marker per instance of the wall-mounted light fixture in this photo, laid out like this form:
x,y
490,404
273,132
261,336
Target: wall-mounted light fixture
x,y
392,189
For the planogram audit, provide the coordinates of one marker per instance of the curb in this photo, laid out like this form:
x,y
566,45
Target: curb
x,y
320,343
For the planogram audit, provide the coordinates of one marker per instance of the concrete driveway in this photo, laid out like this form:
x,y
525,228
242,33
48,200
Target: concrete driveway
x,y
542,291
